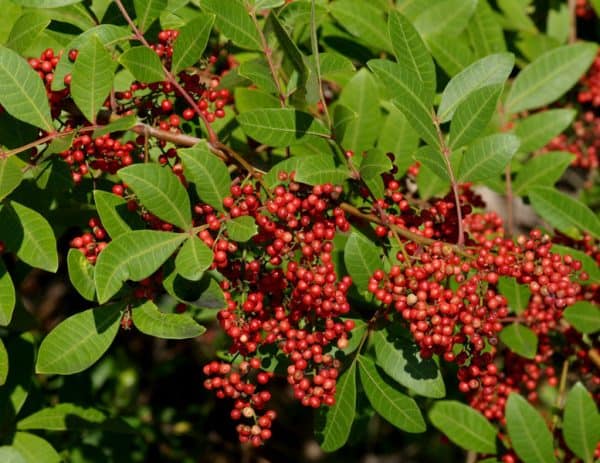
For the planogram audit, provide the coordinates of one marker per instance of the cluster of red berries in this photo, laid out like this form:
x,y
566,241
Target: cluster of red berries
x,y
45,66
91,243
584,10
584,142
282,288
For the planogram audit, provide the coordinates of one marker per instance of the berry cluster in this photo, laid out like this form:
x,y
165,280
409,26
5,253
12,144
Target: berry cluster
x,y
90,244
584,142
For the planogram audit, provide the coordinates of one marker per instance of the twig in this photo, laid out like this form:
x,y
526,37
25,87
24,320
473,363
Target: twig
x,y
212,136
562,389
572,5
447,153
510,198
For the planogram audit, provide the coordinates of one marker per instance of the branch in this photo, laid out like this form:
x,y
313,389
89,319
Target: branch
x,y
572,5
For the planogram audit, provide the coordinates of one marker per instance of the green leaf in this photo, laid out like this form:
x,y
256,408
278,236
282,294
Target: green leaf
x,y
451,53
11,175
520,339
484,31
193,258
336,421
233,20
445,16
397,408
517,295
160,191
334,67
375,163
78,342
135,255
516,16
114,215
361,257
473,115
7,296
267,4
487,157
279,127
26,30
398,137
258,72
63,417
411,52
22,92
399,357
147,11
434,160
248,99
548,77
144,64
343,119
491,70
528,432
119,125
584,316
464,426
44,3
588,264
14,393
409,97
151,321
81,274
191,42
581,423
3,363
537,130
241,229
359,96
11,455
92,77
542,170
364,20
563,212
208,173
319,169
29,235
34,449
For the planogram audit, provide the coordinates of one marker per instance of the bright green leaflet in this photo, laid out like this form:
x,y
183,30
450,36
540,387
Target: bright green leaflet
x,y
7,296
464,426
487,157
27,30
3,363
520,339
160,191
375,163
147,11
150,320
114,215
584,316
79,341
361,257
58,418
581,423
232,19
191,42
11,175
241,229
537,130
516,294
445,16
11,455
35,449
528,432
22,93
542,170
317,170
397,408
143,63
81,274
193,258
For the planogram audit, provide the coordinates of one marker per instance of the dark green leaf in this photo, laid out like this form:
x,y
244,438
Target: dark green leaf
x,y
144,64
445,16
397,408
78,342
399,357
29,235
63,417
537,130
516,294
160,191
3,363
364,20
528,432
584,316
132,256
520,339
410,51
92,77
234,21
375,163
22,92
434,160
563,212
464,426
581,423
248,99
548,77
81,274
191,42
193,258
336,421
208,173
258,72
7,296
241,229
320,169
491,70
151,321
343,119
361,257
487,157
398,137
114,215
15,390
11,175
451,53
147,11
542,170
409,96
473,115
484,31
281,127
121,124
